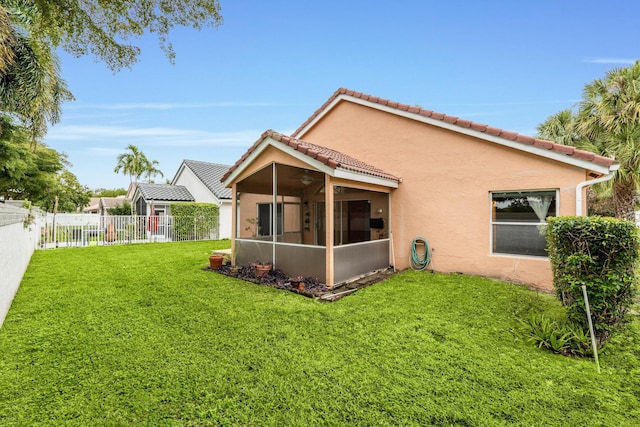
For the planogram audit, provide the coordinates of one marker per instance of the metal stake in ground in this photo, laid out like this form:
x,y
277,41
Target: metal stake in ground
x,y
593,336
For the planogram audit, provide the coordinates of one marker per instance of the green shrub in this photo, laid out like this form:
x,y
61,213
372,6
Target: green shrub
x,y
602,254
188,217
121,209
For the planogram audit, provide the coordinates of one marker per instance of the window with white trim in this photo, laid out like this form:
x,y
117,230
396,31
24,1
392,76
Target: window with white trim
x,y
518,219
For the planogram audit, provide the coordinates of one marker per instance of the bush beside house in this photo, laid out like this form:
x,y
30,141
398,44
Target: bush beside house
x,y
602,254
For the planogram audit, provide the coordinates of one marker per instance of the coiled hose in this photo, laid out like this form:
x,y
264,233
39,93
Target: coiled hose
x,y
420,262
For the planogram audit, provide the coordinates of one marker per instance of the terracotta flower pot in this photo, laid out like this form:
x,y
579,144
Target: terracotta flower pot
x,y
215,261
262,269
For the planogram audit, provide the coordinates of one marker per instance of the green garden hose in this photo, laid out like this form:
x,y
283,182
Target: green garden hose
x,y
420,262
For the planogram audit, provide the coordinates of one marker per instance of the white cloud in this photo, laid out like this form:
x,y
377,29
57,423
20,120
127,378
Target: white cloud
x,y
150,136
612,61
173,105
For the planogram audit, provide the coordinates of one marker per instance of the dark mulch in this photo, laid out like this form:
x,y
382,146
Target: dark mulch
x,y
276,278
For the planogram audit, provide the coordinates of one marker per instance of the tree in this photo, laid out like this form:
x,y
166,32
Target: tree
x,y
560,128
106,192
72,196
30,31
16,159
134,163
151,170
104,28
607,122
27,171
39,174
31,87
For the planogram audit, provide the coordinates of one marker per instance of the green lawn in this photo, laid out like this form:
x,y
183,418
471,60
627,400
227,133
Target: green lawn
x,y
141,335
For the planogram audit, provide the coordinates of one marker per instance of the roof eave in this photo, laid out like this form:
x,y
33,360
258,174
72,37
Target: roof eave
x,y
364,178
540,151
179,172
313,164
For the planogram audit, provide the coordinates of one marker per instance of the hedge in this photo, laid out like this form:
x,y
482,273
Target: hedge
x,y
601,253
188,217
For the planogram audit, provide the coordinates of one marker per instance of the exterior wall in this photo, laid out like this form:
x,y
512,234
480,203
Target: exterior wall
x,y
197,189
17,244
447,179
202,194
226,227
249,211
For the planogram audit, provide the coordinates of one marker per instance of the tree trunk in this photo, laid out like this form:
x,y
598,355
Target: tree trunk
x,y
625,200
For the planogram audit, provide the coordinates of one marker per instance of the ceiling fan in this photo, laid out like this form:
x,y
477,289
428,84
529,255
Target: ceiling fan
x,y
306,178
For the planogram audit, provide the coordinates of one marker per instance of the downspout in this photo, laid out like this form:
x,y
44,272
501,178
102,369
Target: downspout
x,y
580,186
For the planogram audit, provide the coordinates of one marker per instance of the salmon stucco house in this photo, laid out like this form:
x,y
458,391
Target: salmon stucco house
x,y
354,185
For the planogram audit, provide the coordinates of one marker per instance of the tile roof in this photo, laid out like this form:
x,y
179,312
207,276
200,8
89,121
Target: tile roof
x,y
332,158
172,193
210,174
492,131
111,202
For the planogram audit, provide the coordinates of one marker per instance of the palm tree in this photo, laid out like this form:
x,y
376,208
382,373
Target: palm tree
x,y
609,119
607,122
150,170
560,128
132,162
31,87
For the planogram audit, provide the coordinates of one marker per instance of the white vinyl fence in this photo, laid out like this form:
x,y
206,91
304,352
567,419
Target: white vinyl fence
x,y
17,243
69,230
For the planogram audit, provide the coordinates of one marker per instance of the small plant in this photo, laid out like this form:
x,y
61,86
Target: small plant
x,y
30,218
253,227
580,341
546,333
566,338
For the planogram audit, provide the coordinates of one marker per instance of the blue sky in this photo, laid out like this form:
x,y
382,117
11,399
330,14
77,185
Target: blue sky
x,y
509,64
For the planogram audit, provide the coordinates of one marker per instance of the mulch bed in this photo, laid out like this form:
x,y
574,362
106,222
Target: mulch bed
x,y
311,287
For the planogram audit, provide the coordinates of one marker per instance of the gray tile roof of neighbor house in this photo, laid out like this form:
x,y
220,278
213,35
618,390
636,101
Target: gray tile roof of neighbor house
x,y
173,193
211,174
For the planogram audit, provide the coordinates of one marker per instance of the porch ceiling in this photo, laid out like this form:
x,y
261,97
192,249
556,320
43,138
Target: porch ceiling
x,y
292,181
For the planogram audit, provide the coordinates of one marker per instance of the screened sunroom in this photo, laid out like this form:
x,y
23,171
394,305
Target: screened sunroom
x,y
313,222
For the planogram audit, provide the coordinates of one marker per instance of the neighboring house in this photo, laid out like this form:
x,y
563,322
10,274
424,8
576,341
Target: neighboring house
x,y
202,179
158,197
107,203
363,177
93,207
102,205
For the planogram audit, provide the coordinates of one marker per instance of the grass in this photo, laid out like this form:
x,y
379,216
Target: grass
x,y
140,335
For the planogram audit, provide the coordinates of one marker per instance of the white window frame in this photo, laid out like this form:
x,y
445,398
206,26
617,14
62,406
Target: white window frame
x,y
280,206
493,223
